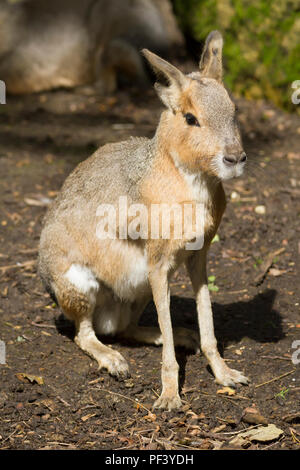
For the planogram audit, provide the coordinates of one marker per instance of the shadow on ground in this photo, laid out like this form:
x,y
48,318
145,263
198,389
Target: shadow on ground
x,y
255,319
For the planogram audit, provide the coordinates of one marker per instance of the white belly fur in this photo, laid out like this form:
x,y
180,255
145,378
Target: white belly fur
x,y
113,306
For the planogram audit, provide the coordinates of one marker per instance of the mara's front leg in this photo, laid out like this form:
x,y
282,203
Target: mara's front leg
x,y
196,266
169,397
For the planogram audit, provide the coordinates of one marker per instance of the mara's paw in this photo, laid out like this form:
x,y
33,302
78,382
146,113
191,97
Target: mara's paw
x,y
188,339
231,377
168,402
115,364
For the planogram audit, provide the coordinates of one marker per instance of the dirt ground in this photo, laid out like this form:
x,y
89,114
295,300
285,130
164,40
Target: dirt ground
x,y
52,395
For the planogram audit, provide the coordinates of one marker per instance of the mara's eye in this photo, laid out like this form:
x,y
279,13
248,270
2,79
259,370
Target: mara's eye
x,y
191,120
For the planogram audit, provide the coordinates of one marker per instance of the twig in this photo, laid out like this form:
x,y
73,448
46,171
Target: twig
x,y
220,395
63,401
42,325
127,447
277,357
60,443
28,251
264,268
18,265
212,435
273,444
173,444
295,439
8,437
275,378
230,433
124,396
237,291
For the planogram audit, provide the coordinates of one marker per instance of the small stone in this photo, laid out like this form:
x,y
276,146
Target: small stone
x,y
235,196
260,210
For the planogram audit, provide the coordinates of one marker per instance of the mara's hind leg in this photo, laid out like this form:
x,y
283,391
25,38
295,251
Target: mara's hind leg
x,y
141,334
76,294
184,337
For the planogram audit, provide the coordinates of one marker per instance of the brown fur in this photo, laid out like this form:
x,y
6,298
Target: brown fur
x,y
104,284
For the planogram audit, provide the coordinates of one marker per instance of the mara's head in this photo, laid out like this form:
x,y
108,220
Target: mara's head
x,y
199,126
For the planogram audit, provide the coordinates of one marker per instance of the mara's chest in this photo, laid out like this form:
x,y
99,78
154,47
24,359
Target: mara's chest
x,y
207,197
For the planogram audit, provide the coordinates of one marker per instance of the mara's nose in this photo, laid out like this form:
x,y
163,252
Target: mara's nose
x,y
234,159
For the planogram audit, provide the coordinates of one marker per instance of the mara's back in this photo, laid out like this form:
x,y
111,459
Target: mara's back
x,y
114,170
69,234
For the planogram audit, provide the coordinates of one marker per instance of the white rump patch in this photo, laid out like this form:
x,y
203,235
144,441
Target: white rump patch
x,y
82,278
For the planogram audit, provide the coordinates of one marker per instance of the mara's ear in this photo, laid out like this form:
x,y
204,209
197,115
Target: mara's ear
x,y
211,59
170,81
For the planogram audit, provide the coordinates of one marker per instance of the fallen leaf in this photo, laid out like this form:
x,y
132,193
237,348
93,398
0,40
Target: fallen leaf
x,y
50,404
126,439
226,391
260,434
31,378
151,446
276,272
150,417
4,292
238,352
206,445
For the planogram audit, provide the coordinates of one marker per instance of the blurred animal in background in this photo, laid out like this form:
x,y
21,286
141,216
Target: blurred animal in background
x,y
66,43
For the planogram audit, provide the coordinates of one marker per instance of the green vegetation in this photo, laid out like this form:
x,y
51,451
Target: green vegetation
x,y
262,43
282,393
211,284
258,262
